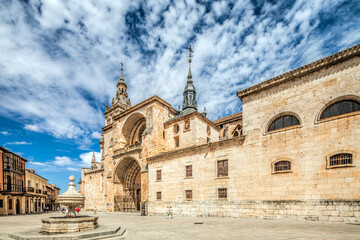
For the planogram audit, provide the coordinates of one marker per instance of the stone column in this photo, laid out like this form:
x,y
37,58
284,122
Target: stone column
x,y
6,206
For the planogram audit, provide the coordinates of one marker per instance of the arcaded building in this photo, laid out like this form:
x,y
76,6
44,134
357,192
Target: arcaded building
x,y
22,191
293,151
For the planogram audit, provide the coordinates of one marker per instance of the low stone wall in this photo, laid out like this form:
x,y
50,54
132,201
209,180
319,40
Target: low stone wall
x,y
321,210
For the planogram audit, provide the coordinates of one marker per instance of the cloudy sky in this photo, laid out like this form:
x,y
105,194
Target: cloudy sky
x,y
60,62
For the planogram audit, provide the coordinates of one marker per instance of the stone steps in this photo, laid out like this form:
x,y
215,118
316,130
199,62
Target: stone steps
x,y
119,235
114,233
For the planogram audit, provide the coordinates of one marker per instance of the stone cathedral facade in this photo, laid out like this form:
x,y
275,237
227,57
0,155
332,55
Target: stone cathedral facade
x,y
293,152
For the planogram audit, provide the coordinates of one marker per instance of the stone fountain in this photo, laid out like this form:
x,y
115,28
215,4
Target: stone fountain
x,y
71,199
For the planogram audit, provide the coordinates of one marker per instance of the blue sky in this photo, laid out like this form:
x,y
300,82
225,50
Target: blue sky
x,y
60,62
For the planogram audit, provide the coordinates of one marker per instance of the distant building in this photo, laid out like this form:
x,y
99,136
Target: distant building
x,y
12,183
293,151
22,190
36,191
52,192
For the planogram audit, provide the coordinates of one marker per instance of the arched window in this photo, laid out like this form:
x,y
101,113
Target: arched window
x,y
340,108
283,122
141,131
237,131
282,166
341,160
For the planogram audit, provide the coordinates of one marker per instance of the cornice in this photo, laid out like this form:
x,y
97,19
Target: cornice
x,y
94,171
228,119
302,71
185,150
188,116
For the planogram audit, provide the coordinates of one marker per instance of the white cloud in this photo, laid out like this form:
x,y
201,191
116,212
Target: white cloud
x,y
18,143
4,133
64,162
32,127
96,135
86,158
67,68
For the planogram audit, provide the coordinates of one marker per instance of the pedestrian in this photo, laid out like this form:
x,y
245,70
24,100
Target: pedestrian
x,y
77,211
94,209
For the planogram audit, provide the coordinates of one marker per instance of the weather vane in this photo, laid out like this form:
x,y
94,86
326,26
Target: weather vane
x,y
121,65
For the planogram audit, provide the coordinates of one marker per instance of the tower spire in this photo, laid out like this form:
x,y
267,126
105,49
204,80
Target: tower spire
x,y
93,157
189,104
189,77
122,73
121,94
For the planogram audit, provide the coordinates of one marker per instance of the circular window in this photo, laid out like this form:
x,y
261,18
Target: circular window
x,y
208,130
176,128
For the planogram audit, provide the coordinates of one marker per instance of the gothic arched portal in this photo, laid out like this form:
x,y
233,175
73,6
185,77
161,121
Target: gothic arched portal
x,y
128,173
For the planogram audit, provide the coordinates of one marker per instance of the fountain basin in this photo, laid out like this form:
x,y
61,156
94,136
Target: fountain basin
x,y
56,225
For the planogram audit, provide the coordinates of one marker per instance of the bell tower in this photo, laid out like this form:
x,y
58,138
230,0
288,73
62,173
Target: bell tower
x,y
120,103
189,104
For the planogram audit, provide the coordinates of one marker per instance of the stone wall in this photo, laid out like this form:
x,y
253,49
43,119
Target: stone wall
x,y
310,190
323,210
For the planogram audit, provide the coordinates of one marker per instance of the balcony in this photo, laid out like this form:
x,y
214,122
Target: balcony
x,y
127,148
16,188
38,191
30,189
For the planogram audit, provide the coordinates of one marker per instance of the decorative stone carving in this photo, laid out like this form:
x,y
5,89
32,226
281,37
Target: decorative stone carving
x,y
187,125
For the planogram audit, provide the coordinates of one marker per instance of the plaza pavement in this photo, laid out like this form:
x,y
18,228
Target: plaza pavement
x,y
159,227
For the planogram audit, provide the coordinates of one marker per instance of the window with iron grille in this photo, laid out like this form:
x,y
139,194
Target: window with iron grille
x,y
340,108
188,194
282,166
341,159
1,203
222,168
189,171
158,195
283,122
158,175
222,193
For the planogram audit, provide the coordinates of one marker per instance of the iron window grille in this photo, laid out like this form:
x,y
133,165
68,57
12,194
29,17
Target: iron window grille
x,y
340,108
158,195
282,166
189,171
283,122
222,193
188,194
222,168
341,159
158,175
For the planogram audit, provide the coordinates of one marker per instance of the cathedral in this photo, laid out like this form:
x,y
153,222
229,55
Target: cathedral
x,y
293,152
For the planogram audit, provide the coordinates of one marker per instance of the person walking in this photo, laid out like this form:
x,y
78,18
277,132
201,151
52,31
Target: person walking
x,y
94,209
77,211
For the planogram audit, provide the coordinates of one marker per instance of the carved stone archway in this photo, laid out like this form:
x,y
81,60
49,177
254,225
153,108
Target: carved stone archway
x,y
129,176
133,128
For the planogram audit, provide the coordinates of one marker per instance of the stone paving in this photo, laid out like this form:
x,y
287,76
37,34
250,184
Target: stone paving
x,y
159,227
